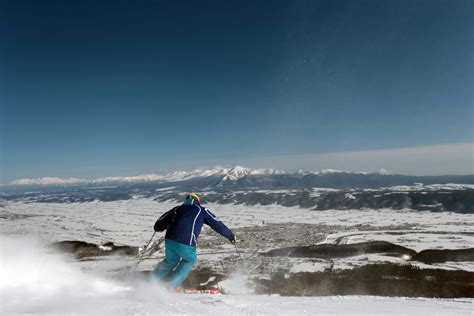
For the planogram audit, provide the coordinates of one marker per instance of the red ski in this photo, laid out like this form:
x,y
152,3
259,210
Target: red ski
x,y
190,290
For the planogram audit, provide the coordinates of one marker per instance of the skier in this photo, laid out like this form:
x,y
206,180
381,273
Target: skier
x,y
183,224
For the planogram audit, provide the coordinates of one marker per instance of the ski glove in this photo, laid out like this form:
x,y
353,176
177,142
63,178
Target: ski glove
x,y
233,240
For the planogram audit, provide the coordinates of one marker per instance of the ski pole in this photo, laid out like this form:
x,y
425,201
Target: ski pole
x,y
242,259
144,250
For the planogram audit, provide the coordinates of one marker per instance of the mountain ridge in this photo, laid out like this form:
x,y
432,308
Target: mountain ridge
x,y
238,177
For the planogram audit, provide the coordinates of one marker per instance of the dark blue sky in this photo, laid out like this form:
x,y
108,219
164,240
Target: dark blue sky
x,y
95,88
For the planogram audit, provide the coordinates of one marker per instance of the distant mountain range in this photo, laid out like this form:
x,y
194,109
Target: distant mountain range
x,y
225,174
322,190
246,178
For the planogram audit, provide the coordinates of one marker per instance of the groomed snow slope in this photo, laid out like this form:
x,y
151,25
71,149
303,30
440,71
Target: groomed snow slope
x,y
34,281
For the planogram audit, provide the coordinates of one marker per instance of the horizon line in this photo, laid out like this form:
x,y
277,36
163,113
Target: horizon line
x,y
367,161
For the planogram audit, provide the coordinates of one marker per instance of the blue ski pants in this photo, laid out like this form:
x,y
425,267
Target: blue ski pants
x,y
179,260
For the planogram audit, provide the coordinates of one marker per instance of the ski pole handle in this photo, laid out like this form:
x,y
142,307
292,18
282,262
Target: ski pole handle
x,y
149,242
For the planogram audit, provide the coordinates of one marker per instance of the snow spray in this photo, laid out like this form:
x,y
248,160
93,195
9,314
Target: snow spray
x,y
237,283
36,279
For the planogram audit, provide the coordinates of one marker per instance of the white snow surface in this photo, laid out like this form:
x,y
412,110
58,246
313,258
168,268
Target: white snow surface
x,y
36,281
130,222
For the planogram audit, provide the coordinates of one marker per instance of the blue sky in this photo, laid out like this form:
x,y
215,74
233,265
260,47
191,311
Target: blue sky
x,y
97,88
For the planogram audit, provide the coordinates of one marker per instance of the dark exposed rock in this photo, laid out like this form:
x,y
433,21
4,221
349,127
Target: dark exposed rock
x,y
376,279
439,256
329,251
81,249
371,279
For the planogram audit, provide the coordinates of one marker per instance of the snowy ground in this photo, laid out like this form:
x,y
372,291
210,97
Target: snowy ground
x,y
33,280
131,222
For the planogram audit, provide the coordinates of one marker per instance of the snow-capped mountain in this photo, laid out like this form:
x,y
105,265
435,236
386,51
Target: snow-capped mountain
x,y
226,174
47,181
240,178
239,172
139,178
325,189
332,171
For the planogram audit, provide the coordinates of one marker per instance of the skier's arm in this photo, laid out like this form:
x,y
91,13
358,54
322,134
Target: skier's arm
x,y
165,219
215,223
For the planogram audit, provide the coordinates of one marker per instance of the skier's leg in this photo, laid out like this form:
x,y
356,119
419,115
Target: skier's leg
x,y
169,263
188,259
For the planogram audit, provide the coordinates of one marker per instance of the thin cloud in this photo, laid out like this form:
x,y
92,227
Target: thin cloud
x,y
424,160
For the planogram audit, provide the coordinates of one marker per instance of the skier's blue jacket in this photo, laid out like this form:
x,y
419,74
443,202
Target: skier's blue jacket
x,y
184,223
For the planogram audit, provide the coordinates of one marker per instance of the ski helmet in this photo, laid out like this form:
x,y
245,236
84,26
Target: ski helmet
x,y
192,199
